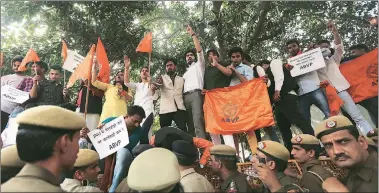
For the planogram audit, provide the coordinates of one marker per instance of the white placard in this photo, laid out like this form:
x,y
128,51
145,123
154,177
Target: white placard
x,y
72,61
306,62
13,94
110,138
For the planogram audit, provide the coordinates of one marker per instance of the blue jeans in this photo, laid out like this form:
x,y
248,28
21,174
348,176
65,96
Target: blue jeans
x,y
317,98
123,160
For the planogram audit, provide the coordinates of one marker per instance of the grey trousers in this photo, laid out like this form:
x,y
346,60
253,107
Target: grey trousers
x,y
194,107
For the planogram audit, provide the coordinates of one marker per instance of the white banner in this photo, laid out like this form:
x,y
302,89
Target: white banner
x,y
306,62
72,61
13,94
110,138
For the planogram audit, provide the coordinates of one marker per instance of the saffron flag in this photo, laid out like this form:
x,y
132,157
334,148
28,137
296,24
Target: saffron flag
x,y
362,74
241,108
31,56
84,69
334,101
64,51
102,58
146,44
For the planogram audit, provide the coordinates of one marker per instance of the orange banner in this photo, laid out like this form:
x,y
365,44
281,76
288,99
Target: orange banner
x,y
102,58
241,108
31,56
146,44
64,50
362,74
83,70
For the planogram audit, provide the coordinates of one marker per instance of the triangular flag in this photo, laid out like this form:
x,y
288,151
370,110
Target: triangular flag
x,y
102,58
31,56
146,44
64,50
84,69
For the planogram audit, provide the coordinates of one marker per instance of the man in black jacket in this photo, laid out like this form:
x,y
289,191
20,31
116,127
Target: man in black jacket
x,y
282,93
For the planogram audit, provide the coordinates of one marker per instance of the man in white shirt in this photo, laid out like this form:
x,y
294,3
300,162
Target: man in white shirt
x,y
193,85
12,80
333,75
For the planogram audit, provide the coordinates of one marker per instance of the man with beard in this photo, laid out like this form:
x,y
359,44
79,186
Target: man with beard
x,y
193,85
309,90
348,149
47,92
333,75
47,140
12,80
172,106
306,150
85,171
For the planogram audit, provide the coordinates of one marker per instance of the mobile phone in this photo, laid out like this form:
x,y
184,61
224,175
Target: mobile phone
x,y
262,160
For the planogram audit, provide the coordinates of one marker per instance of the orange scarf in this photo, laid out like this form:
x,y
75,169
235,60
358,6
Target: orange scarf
x,y
334,101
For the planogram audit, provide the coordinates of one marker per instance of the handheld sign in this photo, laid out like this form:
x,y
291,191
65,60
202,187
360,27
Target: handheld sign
x,y
13,94
110,138
72,61
307,62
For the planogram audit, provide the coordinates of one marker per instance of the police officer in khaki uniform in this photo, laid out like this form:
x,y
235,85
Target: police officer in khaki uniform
x,y
11,163
348,149
154,170
85,171
223,162
306,150
47,140
188,157
270,162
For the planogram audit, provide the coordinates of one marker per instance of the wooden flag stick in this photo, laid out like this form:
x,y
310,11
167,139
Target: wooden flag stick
x,y
149,67
88,85
64,78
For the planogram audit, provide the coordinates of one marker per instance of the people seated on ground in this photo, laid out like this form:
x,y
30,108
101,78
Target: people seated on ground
x,y
85,171
11,164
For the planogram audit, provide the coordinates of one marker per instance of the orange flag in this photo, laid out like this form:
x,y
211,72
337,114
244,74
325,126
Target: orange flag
x,y
31,56
102,58
64,50
334,101
241,108
146,44
362,74
84,69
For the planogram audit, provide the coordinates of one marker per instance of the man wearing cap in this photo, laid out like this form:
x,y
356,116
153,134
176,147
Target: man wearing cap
x,y
223,162
306,150
85,171
348,149
373,134
270,162
11,164
155,170
48,143
187,158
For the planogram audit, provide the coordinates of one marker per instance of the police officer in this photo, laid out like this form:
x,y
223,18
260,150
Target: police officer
x,y
47,140
223,162
306,150
154,170
348,149
188,158
85,171
270,162
11,164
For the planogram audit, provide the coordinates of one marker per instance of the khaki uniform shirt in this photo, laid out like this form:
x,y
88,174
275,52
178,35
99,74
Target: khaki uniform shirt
x,y
236,182
73,185
287,183
365,178
313,176
194,182
32,178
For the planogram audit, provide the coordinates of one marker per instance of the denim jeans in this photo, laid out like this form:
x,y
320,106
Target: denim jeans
x,y
317,98
350,107
123,160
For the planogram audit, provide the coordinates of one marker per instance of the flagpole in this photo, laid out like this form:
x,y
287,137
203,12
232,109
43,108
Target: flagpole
x,y
149,67
88,85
